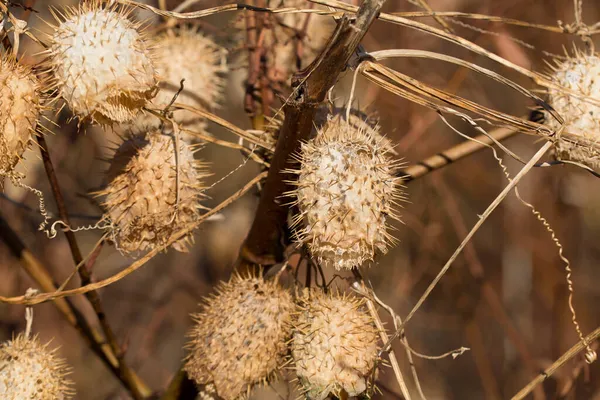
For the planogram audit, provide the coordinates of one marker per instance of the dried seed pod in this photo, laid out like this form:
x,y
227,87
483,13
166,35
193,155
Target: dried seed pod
x,y
29,370
581,74
346,189
334,345
101,63
240,338
141,198
187,54
20,108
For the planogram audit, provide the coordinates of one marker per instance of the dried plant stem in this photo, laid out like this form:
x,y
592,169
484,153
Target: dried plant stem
x,y
453,154
265,242
488,293
439,19
39,273
44,297
367,293
138,389
572,352
513,183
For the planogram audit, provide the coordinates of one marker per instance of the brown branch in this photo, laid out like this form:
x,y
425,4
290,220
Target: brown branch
x,y
39,273
265,242
134,266
572,352
453,154
138,389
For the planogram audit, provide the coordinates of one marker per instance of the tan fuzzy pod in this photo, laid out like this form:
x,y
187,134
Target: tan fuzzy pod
x,y
334,345
29,370
141,197
20,107
240,338
346,191
101,63
185,53
580,74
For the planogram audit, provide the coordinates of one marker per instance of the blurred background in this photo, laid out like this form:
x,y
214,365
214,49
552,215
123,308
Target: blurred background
x,y
505,297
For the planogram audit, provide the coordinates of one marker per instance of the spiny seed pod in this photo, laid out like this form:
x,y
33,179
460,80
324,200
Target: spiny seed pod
x,y
20,107
101,63
240,339
187,54
334,345
30,371
142,200
581,74
346,189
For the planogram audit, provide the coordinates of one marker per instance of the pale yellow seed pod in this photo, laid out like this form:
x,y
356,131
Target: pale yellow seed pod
x,y
29,370
334,345
101,63
346,191
581,74
20,107
185,53
240,338
141,197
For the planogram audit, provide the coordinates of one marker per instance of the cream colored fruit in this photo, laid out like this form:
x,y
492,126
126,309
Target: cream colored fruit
x,y
20,107
581,75
31,371
101,63
240,338
141,197
334,345
346,193
186,54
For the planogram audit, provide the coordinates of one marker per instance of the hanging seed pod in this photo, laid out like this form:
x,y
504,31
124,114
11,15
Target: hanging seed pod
x,y
187,54
20,107
334,345
240,338
581,74
30,371
346,190
101,63
141,198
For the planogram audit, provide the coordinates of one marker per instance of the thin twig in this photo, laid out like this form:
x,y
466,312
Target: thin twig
x,y
53,295
453,154
39,273
138,389
572,352
482,218
266,240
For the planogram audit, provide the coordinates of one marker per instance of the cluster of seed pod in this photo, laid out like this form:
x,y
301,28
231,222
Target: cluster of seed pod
x,y
106,69
248,329
579,106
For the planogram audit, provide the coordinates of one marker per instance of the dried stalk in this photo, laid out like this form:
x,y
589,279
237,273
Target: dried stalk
x,y
53,295
572,352
266,241
138,389
39,273
453,154
513,183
